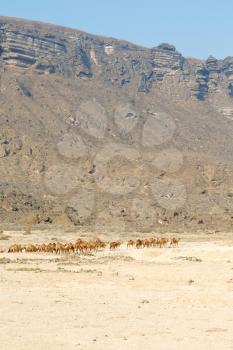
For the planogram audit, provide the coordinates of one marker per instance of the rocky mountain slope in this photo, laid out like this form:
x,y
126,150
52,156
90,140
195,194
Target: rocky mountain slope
x,y
109,136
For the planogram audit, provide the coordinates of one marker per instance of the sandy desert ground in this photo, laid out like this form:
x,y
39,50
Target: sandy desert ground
x,y
165,299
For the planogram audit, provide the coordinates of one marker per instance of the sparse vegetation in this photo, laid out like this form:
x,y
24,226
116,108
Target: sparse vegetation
x,y
5,261
4,237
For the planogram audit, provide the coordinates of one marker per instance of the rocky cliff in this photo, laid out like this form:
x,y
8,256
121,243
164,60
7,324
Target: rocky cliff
x,y
96,130
51,49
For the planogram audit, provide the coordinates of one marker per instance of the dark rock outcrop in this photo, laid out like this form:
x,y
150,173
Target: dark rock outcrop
x,y
227,66
166,61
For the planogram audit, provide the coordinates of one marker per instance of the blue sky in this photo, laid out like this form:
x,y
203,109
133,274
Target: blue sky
x,y
197,28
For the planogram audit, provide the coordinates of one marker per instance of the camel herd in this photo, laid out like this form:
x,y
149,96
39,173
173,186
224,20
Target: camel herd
x,y
154,242
82,246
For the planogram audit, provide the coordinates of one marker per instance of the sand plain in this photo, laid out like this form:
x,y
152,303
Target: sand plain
x,y
163,299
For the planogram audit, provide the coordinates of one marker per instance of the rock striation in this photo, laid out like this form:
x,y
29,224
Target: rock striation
x,y
52,49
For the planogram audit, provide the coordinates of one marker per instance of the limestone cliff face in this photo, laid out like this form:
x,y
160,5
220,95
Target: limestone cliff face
x,y
52,49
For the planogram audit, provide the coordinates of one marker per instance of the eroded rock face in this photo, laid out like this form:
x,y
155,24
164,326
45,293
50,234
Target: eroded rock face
x,y
227,66
166,61
52,49
202,78
214,72
24,49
